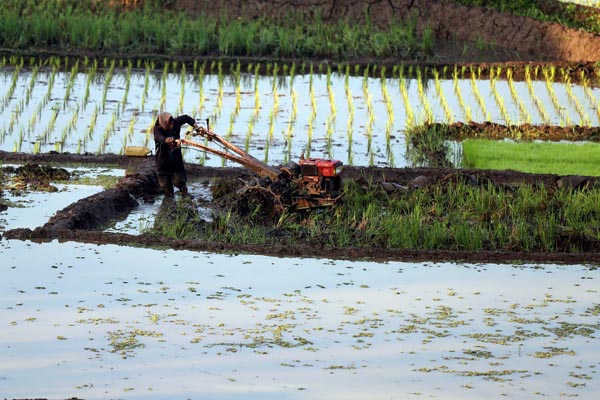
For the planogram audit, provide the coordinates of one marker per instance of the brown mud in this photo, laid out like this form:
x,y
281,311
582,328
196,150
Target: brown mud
x,y
84,220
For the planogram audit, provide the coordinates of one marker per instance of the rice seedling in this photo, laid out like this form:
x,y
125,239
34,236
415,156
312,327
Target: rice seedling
x,y
440,94
163,87
423,96
51,124
500,103
410,117
32,81
182,82
549,73
584,119
91,75
70,83
107,80
11,89
127,85
463,106
524,115
479,98
146,85
536,101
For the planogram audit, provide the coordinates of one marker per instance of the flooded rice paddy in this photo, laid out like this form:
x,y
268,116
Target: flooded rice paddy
x,y
105,321
360,120
118,322
121,322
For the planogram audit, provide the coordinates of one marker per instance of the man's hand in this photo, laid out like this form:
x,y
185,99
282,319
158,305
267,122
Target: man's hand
x,y
169,140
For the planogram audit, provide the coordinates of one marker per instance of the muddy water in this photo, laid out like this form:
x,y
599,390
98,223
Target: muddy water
x,y
108,321
358,120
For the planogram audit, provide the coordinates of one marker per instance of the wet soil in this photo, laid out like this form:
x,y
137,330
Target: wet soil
x,y
83,220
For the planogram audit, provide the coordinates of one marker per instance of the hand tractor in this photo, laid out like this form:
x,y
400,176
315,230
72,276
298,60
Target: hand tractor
x,y
310,183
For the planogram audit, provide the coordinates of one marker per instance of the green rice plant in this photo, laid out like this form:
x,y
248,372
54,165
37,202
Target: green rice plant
x,y
51,124
427,145
549,73
70,83
423,96
32,81
466,109
584,119
127,85
91,74
440,94
163,87
524,115
538,104
500,103
410,117
92,126
182,81
107,80
533,157
11,89
477,94
146,85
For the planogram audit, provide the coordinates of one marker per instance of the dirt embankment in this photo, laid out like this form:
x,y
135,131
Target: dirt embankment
x,y
83,220
462,33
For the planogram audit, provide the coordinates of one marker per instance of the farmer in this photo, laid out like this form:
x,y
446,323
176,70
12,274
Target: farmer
x,y
169,161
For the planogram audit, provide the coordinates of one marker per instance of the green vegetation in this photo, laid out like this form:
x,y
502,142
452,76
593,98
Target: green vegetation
x,y
571,15
534,157
456,214
95,26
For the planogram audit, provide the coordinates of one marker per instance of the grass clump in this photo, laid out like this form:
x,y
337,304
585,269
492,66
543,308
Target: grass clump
x,y
533,157
458,212
94,26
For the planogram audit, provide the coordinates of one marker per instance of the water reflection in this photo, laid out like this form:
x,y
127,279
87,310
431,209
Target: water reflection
x,y
109,321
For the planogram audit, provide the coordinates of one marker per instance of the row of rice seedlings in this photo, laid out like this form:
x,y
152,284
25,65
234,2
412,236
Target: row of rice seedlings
x,y
31,86
461,101
129,134
51,124
350,122
163,87
448,115
127,85
589,93
107,80
423,96
291,124
201,95
70,83
11,89
410,116
584,118
257,105
524,115
146,86
390,117
66,132
500,103
89,134
536,101
478,97
549,74
108,131
221,91
91,75
18,142
182,82
370,111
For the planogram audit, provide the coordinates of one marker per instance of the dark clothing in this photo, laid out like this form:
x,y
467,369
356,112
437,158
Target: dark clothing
x,y
169,160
